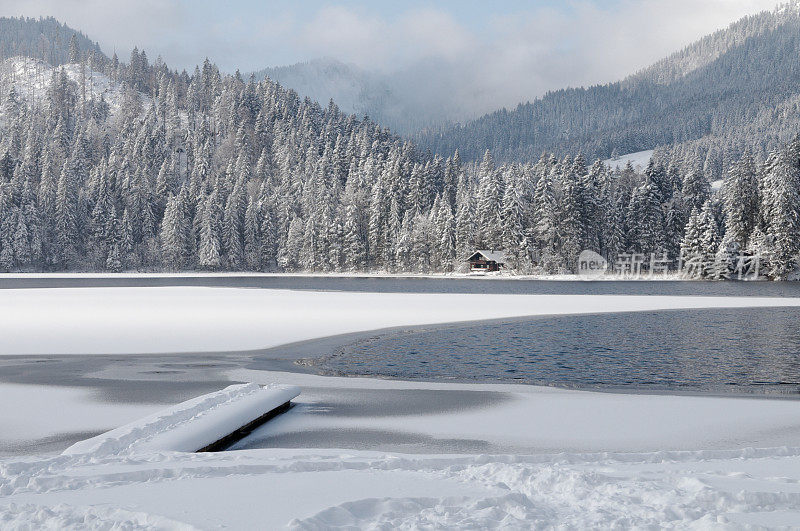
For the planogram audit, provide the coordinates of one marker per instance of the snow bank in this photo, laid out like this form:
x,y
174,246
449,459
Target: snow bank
x,y
63,516
729,485
56,321
190,425
692,491
267,489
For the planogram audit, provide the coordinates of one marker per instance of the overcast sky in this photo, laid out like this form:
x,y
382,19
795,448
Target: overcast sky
x,y
509,50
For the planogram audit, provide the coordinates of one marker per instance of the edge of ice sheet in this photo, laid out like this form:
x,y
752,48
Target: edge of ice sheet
x,y
190,425
64,321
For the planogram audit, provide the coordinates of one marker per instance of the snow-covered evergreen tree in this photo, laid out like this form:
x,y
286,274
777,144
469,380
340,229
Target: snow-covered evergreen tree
x,y
780,209
173,235
740,201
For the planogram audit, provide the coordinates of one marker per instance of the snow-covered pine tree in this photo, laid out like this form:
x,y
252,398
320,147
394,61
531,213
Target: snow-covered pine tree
x,y
569,227
696,188
691,247
490,203
709,240
209,252
513,233
725,260
740,201
252,235
447,236
66,224
173,235
545,216
646,219
780,208
22,248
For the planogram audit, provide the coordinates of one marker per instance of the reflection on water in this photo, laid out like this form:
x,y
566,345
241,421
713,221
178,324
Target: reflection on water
x,y
752,350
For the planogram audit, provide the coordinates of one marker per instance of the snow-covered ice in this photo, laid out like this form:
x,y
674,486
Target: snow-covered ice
x,y
533,419
197,319
28,413
320,489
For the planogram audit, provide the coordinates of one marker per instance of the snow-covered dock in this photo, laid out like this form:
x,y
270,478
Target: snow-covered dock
x,y
202,424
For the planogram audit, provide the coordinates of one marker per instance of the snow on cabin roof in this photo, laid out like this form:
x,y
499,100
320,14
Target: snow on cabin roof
x,y
491,255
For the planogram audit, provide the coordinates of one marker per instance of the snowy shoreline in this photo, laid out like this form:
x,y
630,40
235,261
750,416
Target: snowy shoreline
x,y
553,457
412,453
357,274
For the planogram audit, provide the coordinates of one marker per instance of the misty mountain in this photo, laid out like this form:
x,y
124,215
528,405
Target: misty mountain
x,y
354,90
737,87
44,39
407,101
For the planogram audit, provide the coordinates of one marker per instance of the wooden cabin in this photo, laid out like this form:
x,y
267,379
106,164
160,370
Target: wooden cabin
x,y
484,260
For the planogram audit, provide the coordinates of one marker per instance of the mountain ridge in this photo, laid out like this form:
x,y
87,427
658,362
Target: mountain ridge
x,y
732,77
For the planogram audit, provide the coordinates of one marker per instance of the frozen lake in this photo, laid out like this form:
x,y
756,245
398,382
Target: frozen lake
x,y
717,350
113,355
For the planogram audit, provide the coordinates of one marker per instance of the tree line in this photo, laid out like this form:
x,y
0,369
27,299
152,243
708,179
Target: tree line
x,y
211,172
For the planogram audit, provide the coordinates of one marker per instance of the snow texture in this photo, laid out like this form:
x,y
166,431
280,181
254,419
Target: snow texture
x,y
304,489
63,516
191,425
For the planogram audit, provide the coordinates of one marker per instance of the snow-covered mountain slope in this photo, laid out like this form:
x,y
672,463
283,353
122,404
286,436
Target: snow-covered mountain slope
x,y
713,46
737,87
44,38
32,78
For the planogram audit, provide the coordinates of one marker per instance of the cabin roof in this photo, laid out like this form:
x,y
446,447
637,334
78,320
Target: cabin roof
x,y
490,255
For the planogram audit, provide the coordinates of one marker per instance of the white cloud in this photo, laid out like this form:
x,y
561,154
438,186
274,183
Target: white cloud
x,y
371,41
497,61
340,32
434,33
518,56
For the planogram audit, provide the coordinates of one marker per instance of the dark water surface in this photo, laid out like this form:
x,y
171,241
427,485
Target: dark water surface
x,y
750,350
425,285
